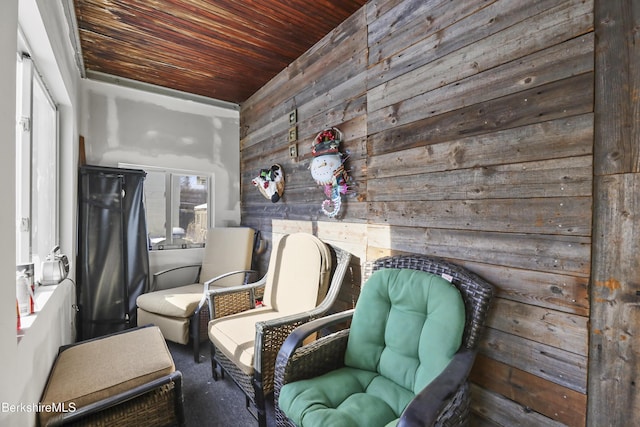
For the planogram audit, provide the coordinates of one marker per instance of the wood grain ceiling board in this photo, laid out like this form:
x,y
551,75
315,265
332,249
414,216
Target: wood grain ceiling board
x,y
221,49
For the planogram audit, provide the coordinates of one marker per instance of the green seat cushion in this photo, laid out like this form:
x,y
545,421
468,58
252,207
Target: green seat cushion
x,y
344,397
406,328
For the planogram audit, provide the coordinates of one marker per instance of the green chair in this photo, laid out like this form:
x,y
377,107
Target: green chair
x,y
405,359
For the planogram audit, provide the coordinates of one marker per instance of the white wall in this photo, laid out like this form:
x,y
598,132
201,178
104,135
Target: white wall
x,y
25,365
8,355
122,124
128,125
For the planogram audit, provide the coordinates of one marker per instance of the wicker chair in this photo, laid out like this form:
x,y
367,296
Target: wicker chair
x,y
177,303
245,345
445,401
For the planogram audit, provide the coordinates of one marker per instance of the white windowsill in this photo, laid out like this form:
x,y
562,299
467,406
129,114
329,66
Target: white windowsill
x,y
42,295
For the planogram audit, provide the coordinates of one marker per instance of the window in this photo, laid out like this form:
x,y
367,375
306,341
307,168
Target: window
x,y
176,204
36,168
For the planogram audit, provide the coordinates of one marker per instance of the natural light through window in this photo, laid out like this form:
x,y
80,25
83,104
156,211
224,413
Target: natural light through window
x,y
176,204
36,168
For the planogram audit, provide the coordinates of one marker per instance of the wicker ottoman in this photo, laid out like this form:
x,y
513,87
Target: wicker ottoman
x,y
124,379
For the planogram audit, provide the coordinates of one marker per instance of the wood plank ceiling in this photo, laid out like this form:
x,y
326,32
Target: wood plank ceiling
x,y
221,49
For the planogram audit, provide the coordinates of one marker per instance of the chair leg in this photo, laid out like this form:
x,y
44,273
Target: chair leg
x,y
214,364
194,328
262,416
260,403
179,402
196,350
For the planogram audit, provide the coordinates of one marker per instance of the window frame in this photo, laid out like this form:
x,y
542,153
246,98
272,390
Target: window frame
x,y
31,248
170,199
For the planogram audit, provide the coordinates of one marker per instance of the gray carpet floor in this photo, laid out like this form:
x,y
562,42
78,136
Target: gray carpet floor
x,y
208,402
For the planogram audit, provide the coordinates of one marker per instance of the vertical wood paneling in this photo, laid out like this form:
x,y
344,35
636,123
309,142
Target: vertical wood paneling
x,y
615,290
618,107
470,128
615,293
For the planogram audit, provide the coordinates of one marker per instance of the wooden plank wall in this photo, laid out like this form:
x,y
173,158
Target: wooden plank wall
x,y
469,127
614,355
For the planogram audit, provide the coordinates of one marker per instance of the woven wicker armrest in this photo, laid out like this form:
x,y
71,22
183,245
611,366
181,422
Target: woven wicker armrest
x,y
433,404
228,300
296,361
231,300
159,274
293,319
297,337
271,334
214,293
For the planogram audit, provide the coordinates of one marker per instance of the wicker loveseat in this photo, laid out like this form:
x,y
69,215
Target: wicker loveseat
x,y
405,359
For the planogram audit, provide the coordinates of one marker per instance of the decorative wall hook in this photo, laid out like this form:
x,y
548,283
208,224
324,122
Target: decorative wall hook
x,y
327,169
270,182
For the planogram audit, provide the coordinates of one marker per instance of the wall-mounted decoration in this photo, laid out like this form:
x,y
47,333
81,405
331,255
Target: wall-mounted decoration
x,y
293,134
293,151
270,182
327,169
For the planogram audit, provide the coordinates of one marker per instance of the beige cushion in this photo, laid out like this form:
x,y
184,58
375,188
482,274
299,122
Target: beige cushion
x,y
95,370
297,281
227,249
235,335
174,329
174,302
298,276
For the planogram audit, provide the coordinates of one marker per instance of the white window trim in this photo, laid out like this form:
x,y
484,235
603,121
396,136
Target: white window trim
x,y
30,73
174,171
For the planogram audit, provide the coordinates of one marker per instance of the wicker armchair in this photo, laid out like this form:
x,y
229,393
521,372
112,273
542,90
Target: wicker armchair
x,y
245,345
177,302
445,401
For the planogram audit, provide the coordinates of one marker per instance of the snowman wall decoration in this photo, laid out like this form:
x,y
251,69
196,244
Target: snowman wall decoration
x,y
327,169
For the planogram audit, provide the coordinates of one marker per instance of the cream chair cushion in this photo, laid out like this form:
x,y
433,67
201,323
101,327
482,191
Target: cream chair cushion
x,y
299,272
174,329
227,250
236,335
174,302
297,281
